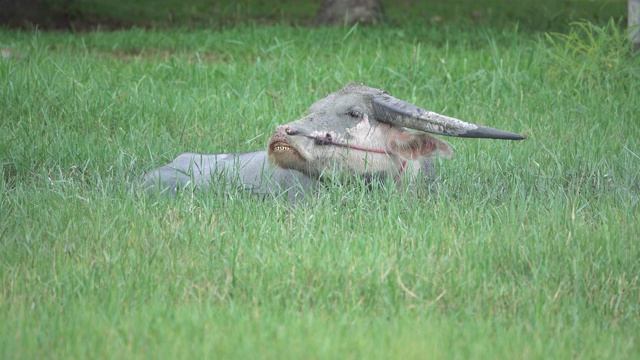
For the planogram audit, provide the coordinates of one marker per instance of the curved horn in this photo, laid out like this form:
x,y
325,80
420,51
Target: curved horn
x,y
389,109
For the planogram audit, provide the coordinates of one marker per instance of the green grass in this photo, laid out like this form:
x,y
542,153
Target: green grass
x,y
527,250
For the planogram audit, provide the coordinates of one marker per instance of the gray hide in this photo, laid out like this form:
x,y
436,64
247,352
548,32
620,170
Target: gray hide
x,y
245,171
356,132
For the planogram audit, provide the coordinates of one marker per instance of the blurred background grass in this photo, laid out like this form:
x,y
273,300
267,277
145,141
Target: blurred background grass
x,y
544,15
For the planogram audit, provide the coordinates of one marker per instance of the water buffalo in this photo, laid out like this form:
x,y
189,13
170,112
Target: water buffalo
x,y
357,131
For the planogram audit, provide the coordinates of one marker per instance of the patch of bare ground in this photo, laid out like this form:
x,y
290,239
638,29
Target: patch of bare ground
x,y
139,54
155,54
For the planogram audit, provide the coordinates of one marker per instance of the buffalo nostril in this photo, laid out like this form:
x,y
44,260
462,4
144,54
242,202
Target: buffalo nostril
x,y
290,131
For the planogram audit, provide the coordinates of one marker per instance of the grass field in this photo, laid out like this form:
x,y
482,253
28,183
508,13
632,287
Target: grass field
x,y
528,249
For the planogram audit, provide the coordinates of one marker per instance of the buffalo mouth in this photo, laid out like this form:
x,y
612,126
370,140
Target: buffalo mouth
x,y
285,155
281,147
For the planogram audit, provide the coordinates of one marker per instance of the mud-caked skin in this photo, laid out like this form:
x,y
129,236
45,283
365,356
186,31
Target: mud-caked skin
x,y
356,132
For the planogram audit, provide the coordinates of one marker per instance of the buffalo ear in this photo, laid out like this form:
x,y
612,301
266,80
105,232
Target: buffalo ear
x,y
418,145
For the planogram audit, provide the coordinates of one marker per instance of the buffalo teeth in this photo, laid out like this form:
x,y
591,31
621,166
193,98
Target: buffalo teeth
x,y
282,147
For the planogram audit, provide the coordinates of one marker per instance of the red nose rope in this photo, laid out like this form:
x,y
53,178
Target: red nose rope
x,y
328,140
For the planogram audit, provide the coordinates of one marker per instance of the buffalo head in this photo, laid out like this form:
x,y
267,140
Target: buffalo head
x,y
360,130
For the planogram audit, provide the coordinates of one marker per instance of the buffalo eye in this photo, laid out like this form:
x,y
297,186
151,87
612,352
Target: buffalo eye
x,y
354,114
